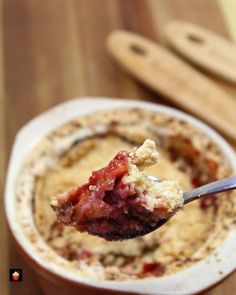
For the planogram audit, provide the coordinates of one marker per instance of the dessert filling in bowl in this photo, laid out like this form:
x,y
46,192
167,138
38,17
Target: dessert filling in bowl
x,y
68,155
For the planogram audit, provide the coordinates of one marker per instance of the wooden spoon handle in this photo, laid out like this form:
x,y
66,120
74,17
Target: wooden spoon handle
x,y
175,79
204,48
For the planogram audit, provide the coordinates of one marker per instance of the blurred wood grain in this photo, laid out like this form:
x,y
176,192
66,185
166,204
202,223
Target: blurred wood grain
x,y
54,50
3,230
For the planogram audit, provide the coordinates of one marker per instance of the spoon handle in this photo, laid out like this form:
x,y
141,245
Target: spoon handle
x,y
218,186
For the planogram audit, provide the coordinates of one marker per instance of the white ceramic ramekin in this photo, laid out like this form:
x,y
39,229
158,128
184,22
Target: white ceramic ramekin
x,y
199,277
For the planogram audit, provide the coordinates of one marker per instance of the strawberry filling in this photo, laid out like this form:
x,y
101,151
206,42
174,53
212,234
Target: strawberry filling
x,y
106,206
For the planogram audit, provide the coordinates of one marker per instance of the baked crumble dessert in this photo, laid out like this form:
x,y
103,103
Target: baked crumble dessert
x,y
65,159
119,201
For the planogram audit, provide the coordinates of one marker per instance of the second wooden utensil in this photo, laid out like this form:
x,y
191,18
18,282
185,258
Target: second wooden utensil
x,y
175,79
204,48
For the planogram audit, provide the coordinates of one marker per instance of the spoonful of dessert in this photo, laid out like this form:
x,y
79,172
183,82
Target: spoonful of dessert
x,y
120,202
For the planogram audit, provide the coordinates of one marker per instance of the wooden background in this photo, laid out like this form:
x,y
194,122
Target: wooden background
x,y
53,50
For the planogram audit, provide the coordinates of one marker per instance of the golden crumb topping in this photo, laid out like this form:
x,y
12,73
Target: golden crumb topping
x,y
167,193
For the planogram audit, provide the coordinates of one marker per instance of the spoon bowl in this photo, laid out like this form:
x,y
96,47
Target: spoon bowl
x,y
205,190
149,224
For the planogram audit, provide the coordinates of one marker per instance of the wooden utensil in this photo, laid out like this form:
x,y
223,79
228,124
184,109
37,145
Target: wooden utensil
x,y
161,70
204,48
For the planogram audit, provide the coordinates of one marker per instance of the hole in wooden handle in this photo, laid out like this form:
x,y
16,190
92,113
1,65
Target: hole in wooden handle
x,y
195,39
138,49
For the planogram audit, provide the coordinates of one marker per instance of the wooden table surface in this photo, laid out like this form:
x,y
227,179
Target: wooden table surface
x,y
53,50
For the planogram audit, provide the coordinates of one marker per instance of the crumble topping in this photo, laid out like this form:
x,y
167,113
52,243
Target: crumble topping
x,y
146,155
166,192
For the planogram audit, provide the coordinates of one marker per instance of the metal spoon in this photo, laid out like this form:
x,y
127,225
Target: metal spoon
x,y
215,187
218,186
146,223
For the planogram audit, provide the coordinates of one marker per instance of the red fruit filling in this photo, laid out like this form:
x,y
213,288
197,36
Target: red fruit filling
x,y
106,206
152,268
